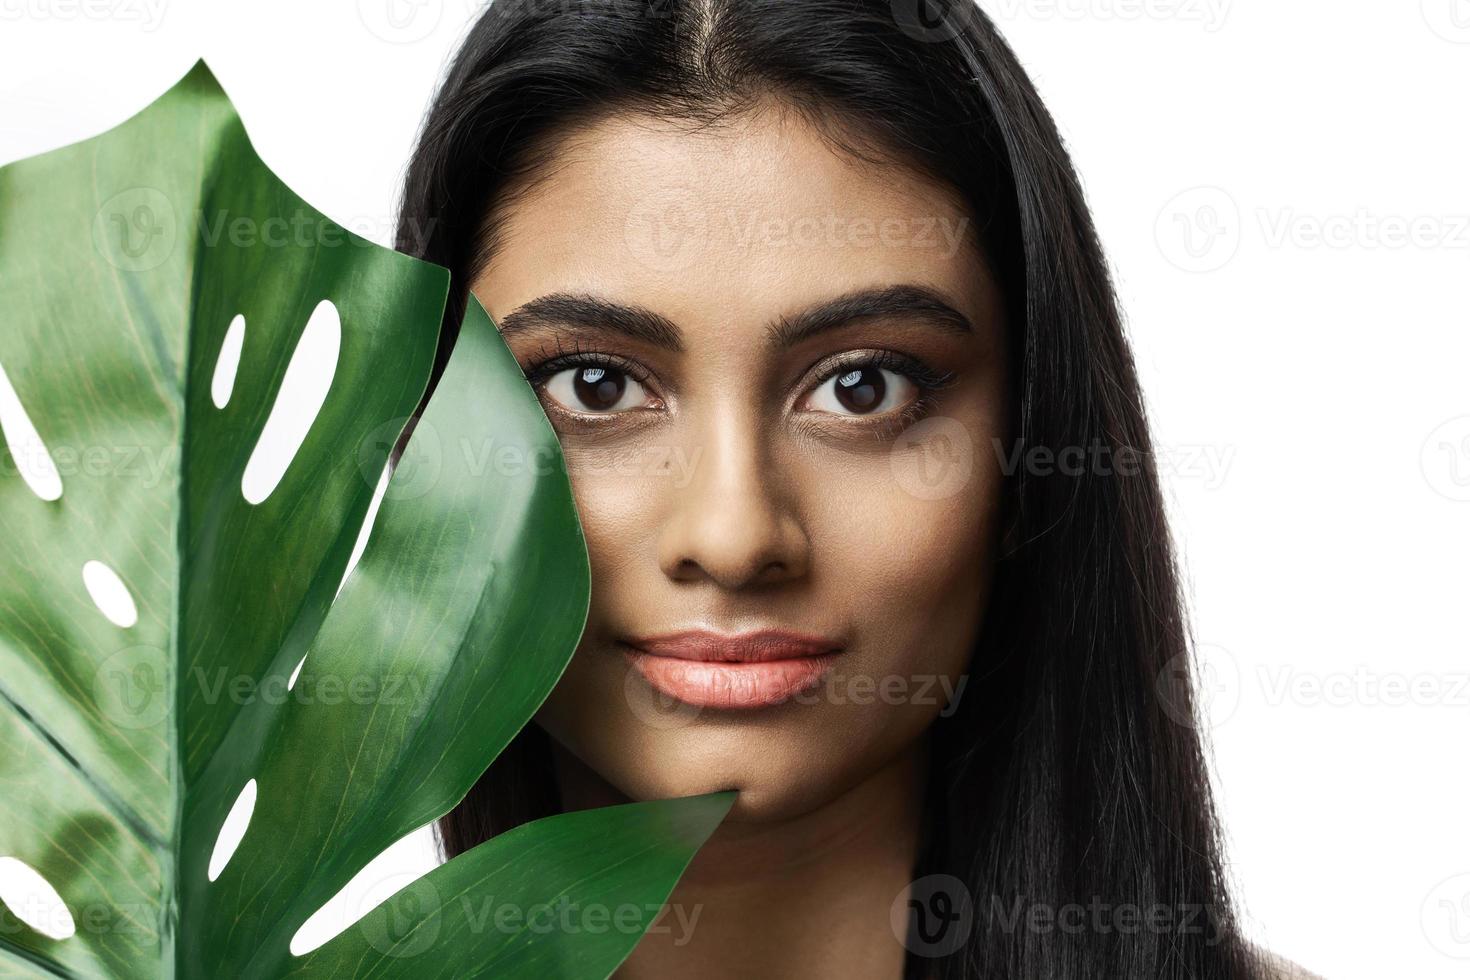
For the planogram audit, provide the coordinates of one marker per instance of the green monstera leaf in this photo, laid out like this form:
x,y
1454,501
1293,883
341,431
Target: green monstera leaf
x,y
180,496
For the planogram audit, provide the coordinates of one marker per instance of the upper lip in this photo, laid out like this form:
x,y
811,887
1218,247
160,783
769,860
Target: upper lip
x,y
759,646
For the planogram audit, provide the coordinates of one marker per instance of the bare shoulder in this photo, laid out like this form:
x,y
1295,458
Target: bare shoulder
x,y
1280,968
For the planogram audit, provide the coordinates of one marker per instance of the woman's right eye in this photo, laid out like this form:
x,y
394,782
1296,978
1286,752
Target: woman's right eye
x,y
589,390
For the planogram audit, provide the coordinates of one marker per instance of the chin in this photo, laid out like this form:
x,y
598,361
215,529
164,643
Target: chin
x,y
780,774
613,771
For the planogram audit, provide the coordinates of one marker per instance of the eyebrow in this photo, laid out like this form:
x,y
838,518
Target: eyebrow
x,y
593,313
896,302
639,323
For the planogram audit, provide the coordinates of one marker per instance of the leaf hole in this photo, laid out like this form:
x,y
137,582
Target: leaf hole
x,y
233,830
110,595
290,684
365,532
32,458
358,548
303,392
397,868
30,896
228,365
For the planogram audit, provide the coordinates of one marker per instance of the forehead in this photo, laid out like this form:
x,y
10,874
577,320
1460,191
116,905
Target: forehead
x,y
726,225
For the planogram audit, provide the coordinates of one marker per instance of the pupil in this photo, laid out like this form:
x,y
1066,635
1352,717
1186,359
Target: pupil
x,y
600,388
861,390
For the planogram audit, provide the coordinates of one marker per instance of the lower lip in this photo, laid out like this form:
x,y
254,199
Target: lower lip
x,y
722,684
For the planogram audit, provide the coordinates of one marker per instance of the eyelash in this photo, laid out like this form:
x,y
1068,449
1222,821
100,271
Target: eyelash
x,y
925,378
929,382
550,363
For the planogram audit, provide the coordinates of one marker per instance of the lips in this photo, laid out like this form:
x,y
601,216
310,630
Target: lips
x,y
718,670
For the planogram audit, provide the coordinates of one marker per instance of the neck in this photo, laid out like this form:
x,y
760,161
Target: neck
x,y
806,896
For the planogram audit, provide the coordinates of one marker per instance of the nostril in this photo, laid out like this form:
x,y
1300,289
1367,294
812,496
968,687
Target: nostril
x,y
733,575
737,534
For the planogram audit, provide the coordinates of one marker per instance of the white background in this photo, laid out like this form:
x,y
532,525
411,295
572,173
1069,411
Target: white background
x,y
1281,188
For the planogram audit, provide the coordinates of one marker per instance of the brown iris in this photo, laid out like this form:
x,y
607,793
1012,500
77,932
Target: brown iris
x,y
599,388
860,390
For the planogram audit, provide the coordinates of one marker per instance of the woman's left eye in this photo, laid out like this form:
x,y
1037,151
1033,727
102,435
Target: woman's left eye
x,y
867,390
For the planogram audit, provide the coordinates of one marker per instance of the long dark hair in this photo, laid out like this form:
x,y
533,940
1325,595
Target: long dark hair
x,y
1070,779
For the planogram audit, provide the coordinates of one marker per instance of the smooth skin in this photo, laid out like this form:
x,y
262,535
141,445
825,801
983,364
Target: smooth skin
x,y
777,372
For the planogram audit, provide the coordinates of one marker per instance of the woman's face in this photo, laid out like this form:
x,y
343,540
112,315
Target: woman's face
x,y
776,373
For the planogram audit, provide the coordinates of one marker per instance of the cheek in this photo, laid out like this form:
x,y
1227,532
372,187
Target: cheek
x,y
620,496
914,533
913,570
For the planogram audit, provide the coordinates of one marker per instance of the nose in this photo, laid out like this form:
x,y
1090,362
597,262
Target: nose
x,y
733,523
